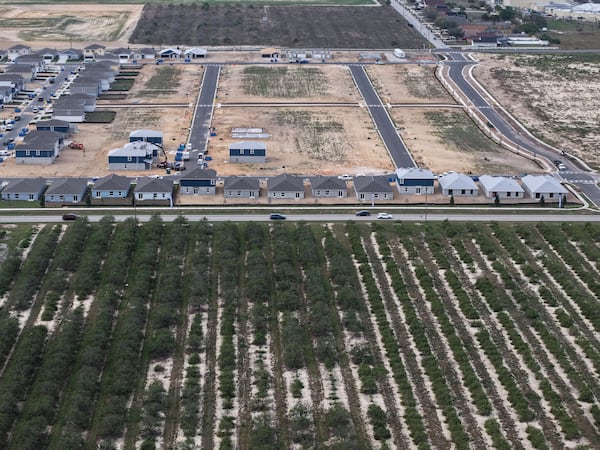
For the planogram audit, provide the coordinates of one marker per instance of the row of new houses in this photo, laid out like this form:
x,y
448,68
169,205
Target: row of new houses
x,y
119,190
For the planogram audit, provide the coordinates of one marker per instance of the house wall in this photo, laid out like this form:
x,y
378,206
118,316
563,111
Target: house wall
x,y
460,192
22,196
286,194
197,190
127,163
505,194
549,197
234,193
76,119
330,193
96,194
369,196
415,189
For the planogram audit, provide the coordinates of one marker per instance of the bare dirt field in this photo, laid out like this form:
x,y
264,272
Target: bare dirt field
x,y
554,96
61,26
288,26
304,141
446,139
408,83
297,83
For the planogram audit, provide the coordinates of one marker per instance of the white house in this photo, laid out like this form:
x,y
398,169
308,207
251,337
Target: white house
x,y
18,50
195,52
500,187
546,186
154,191
458,185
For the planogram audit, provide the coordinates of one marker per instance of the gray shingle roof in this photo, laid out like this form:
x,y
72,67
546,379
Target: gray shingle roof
x,y
543,183
455,180
499,184
149,184
372,184
327,183
25,185
112,182
52,123
62,186
40,139
200,174
242,183
285,183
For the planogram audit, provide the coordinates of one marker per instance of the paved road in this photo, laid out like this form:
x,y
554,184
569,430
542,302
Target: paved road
x,y
391,139
241,217
199,133
459,64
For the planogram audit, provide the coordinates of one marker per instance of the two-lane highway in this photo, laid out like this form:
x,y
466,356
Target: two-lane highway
x,y
391,139
459,72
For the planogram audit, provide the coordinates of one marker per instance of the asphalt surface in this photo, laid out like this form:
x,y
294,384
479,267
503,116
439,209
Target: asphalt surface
x,y
200,131
241,217
586,181
391,139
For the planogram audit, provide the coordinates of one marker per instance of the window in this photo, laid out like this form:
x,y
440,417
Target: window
x,y
537,195
213,182
340,194
61,197
297,194
362,196
129,158
155,195
164,195
508,194
196,191
449,191
238,193
31,197
38,153
140,196
417,190
327,193
111,193
376,195
252,151
98,194
463,191
550,195
76,198
16,196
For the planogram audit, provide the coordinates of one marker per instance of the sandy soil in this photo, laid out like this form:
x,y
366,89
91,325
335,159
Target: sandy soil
x,y
408,83
101,23
431,151
562,108
351,145
337,84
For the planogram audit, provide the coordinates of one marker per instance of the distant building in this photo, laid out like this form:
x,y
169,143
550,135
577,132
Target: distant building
x,y
111,190
285,186
151,191
198,182
501,187
39,147
66,191
371,188
247,152
27,189
195,52
133,156
328,187
458,185
415,180
152,136
546,186
241,187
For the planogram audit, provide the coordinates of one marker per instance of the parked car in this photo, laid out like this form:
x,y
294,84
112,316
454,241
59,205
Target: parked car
x,y
344,177
70,217
276,216
36,110
384,215
17,118
363,213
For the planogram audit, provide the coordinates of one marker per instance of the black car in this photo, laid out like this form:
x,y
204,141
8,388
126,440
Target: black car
x,y
17,118
70,217
276,216
364,212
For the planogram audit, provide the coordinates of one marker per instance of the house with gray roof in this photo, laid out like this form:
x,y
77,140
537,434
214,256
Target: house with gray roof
x,y
6,92
2,54
501,187
328,187
47,54
39,147
112,190
137,155
247,152
458,185
17,50
88,101
154,191
371,188
170,53
125,55
415,181
546,186
87,87
66,191
27,71
195,52
70,54
285,186
60,126
36,61
241,187
92,51
16,80
69,110
24,189
144,53
153,136
198,182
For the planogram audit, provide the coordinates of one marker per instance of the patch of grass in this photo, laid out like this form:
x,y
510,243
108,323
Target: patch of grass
x,y
100,116
423,85
458,130
284,81
122,84
164,82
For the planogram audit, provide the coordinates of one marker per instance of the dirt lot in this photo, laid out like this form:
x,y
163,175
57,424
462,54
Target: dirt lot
x,y
288,26
445,139
305,141
59,26
555,97
265,84
408,83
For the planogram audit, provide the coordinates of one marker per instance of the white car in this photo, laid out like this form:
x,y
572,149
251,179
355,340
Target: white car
x,y
35,110
561,166
344,177
384,215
